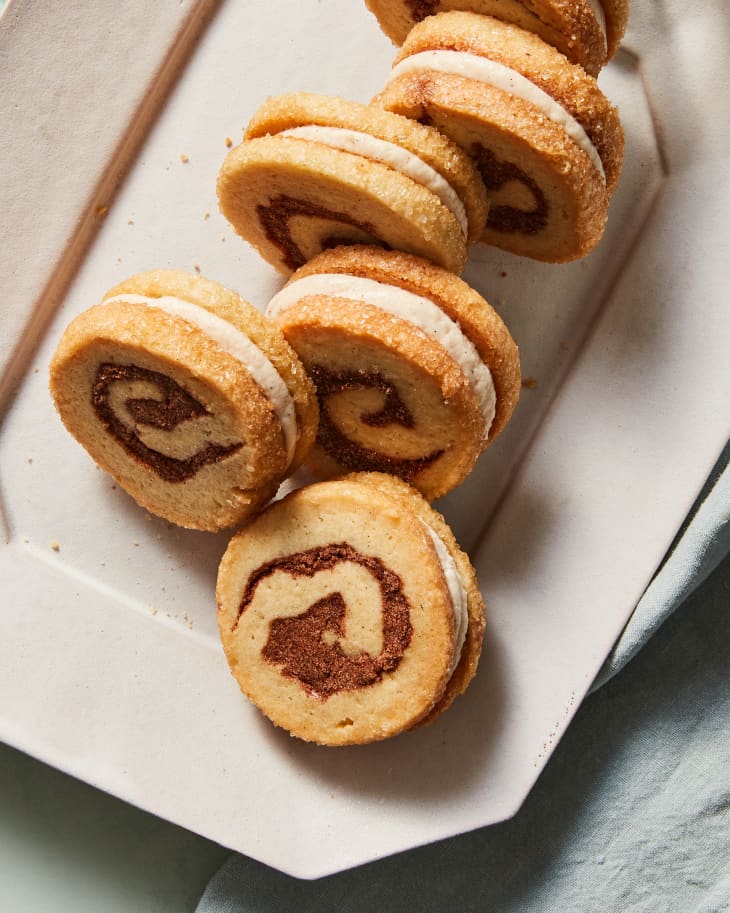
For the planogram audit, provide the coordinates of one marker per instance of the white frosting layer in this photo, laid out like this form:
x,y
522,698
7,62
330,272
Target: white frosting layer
x,y
456,592
409,306
237,344
390,154
481,69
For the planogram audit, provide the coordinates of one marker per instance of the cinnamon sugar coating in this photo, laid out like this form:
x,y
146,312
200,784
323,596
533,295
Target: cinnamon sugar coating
x,y
392,398
548,197
292,197
570,26
335,614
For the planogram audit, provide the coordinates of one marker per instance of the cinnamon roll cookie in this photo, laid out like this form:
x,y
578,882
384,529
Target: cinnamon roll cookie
x,y
588,32
548,143
314,171
186,395
414,371
347,611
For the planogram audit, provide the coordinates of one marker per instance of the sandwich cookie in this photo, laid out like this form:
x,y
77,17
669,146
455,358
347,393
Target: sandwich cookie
x,y
348,613
547,142
414,371
188,396
587,32
313,172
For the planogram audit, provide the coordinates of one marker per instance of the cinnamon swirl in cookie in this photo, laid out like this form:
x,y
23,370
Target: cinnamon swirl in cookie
x,y
415,373
187,396
347,611
588,32
548,143
314,171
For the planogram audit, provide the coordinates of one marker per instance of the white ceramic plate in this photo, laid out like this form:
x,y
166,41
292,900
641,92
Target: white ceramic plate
x,y
110,666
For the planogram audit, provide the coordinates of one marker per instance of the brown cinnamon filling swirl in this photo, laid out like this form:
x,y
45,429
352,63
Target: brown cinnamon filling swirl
x,y
175,406
307,646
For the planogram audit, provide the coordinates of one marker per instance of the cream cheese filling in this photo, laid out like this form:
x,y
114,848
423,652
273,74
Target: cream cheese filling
x,y
481,69
457,593
416,309
390,154
235,343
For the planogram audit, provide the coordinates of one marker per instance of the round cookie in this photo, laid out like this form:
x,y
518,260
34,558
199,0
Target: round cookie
x,y
587,32
348,613
548,143
187,395
414,371
314,171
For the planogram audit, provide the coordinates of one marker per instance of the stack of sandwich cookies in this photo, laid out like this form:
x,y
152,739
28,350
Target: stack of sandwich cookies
x,y
313,171
347,611
548,144
587,32
414,371
187,396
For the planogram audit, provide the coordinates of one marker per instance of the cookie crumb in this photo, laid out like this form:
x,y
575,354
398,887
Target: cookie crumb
x,y
55,546
206,216
229,142
153,610
529,383
184,158
102,210
196,267
130,221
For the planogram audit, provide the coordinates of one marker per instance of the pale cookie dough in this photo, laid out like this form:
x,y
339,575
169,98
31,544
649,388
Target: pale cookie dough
x,y
348,613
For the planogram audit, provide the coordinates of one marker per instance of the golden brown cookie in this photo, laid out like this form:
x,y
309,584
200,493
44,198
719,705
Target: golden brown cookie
x,y
588,32
187,395
548,143
616,19
414,371
347,611
314,171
